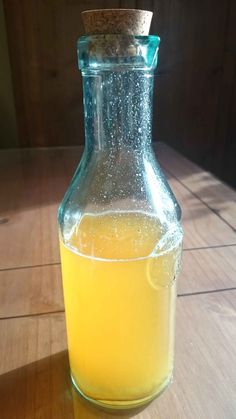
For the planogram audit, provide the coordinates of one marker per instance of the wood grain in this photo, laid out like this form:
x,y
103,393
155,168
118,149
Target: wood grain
x,y
35,379
208,270
189,75
194,92
217,195
30,291
223,163
204,375
24,292
127,4
145,5
202,227
42,40
34,369
34,182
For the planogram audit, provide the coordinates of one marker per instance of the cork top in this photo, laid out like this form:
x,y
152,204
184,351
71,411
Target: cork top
x,y
117,21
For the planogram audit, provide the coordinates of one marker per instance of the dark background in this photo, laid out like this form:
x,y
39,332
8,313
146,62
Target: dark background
x,y
195,90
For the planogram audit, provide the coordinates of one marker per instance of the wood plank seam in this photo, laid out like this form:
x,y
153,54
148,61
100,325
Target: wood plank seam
x,y
216,246
30,266
190,249
22,316
200,199
188,294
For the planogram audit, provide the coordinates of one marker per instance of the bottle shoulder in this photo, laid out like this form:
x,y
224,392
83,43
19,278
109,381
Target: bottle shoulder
x,y
122,181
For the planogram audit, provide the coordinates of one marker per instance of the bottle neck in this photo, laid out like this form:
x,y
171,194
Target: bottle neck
x,y
118,108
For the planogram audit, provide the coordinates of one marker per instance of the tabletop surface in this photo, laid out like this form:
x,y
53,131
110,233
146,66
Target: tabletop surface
x,y
34,369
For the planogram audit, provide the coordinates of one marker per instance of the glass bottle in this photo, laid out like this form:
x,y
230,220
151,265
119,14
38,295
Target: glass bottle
x,y
120,232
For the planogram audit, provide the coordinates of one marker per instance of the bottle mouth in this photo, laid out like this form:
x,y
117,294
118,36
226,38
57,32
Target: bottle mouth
x,y
118,50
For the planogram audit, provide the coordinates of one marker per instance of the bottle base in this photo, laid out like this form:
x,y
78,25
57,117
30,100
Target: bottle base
x,y
124,404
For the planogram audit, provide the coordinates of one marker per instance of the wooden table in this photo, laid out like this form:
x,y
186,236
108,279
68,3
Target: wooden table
x,y
34,380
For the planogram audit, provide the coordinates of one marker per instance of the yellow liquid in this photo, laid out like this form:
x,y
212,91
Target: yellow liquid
x,y
120,304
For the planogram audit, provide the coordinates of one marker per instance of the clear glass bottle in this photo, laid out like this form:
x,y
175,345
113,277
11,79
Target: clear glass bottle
x,y
120,232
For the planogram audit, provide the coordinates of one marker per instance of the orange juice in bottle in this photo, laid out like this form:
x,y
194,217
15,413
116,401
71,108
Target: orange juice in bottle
x,y
120,302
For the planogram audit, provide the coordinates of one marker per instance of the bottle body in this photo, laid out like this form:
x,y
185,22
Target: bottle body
x,y
120,240
120,320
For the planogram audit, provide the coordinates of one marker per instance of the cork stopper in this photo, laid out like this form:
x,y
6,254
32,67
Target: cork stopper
x,y
117,21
